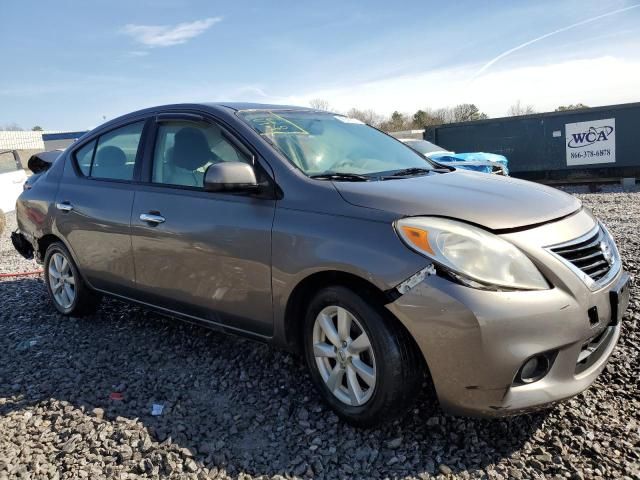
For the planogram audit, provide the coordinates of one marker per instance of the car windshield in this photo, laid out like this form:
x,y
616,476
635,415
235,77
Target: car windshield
x,y
423,146
324,144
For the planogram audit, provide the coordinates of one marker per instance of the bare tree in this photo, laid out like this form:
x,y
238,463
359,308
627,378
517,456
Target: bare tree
x,y
577,106
319,104
519,109
466,112
369,117
12,127
441,115
396,122
428,117
421,119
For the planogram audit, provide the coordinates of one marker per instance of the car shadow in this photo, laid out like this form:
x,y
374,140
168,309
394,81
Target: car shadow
x,y
233,404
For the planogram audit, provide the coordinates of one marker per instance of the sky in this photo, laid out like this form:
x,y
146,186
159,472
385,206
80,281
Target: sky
x,y
69,65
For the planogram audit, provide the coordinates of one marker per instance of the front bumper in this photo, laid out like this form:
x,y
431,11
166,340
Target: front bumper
x,y
476,341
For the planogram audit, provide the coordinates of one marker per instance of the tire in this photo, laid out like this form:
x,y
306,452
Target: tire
x,y
392,358
73,297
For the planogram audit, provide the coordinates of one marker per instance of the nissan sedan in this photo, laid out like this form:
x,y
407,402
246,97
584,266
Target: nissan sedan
x,y
317,233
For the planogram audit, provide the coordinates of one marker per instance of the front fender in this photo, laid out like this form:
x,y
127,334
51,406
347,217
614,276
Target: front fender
x,y
305,243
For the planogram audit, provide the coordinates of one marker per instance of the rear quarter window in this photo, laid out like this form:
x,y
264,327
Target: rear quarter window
x,y
84,156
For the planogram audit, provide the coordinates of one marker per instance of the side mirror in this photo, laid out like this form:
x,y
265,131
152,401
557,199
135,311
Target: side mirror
x,y
230,176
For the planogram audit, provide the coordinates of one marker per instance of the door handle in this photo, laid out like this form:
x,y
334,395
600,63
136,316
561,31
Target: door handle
x,y
152,218
64,206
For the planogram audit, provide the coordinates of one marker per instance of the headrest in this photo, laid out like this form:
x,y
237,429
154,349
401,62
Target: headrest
x,y
191,149
110,156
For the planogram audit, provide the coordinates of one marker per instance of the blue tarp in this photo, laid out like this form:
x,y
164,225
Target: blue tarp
x,y
476,161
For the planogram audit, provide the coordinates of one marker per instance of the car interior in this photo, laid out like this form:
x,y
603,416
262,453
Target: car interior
x,y
185,153
111,162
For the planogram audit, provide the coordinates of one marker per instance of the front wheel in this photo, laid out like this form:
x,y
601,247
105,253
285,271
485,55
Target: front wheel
x,y
67,290
363,362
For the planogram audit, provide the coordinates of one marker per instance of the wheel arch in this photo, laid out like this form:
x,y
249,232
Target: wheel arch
x,y
44,242
308,286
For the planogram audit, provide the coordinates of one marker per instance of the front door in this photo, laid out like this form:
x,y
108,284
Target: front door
x,y
204,254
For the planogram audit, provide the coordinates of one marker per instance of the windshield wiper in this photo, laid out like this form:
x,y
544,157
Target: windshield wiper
x,y
344,177
407,172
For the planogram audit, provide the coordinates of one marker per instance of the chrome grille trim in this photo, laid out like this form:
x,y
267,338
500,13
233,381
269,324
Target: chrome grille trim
x,y
585,257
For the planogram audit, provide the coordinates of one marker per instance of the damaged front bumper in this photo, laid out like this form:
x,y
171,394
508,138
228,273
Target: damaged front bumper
x,y
476,342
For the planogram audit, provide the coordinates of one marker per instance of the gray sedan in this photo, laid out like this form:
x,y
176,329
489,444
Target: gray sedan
x,y
325,236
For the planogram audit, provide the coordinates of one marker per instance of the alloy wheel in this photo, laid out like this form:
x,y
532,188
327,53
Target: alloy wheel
x,y
61,280
344,355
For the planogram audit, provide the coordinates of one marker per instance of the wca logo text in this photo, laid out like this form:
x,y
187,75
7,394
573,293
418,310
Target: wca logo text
x,y
591,136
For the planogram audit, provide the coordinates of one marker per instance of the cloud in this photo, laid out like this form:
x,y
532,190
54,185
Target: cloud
x,y
167,35
491,62
610,80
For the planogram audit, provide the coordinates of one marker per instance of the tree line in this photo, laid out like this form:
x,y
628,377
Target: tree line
x,y
397,121
463,112
14,127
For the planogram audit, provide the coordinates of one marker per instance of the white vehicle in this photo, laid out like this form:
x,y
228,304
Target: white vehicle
x,y
12,178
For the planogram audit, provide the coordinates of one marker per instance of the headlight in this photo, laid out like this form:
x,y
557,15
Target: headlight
x,y
481,258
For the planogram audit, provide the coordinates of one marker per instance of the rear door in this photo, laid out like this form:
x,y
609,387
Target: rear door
x,y
94,203
204,254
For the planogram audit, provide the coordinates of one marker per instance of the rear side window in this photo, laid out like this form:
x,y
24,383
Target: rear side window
x,y
84,157
113,155
116,153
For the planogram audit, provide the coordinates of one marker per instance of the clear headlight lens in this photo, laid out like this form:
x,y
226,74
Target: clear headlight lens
x,y
473,253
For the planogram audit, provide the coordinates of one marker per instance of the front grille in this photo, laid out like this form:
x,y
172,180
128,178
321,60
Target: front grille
x,y
590,255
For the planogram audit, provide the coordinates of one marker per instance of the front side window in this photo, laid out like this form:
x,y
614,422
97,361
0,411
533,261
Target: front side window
x,y
116,152
322,143
184,151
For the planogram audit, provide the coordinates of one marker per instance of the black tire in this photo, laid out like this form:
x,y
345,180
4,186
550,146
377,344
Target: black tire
x,y
85,300
399,365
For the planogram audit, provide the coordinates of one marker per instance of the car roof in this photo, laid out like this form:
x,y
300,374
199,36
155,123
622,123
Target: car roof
x,y
233,106
239,106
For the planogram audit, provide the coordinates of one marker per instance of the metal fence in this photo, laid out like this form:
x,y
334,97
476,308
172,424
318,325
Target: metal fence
x,y
593,144
60,140
29,140
10,140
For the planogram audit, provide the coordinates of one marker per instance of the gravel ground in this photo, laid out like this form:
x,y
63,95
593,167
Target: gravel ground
x,y
238,409
10,260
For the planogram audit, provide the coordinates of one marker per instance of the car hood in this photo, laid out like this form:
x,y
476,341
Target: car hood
x,y
493,201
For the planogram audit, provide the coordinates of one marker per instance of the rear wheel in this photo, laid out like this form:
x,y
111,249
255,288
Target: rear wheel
x,y
67,290
362,361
